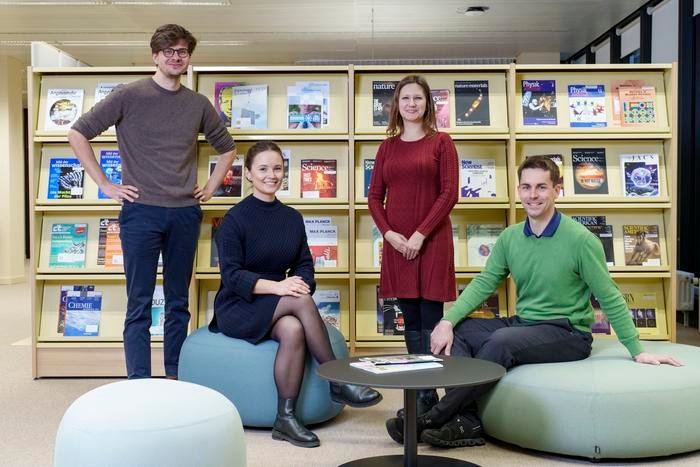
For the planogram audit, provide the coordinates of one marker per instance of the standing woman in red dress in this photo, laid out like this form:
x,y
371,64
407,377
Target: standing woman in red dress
x,y
411,194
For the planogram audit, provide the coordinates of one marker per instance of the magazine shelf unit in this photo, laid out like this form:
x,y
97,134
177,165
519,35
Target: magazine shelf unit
x,y
328,143
486,136
642,264
347,140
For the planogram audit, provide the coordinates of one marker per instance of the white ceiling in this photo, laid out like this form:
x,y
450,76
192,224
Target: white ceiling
x,y
251,32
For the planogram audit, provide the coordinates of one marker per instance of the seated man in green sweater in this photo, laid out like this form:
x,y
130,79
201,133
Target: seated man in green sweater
x,y
556,264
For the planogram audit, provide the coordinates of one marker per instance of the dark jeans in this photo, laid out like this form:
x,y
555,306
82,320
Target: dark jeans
x,y
509,342
145,232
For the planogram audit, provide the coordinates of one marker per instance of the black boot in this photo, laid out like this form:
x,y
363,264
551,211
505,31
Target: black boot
x,y
354,396
288,428
394,426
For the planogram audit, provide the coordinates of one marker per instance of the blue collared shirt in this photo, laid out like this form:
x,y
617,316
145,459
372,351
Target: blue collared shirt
x,y
548,231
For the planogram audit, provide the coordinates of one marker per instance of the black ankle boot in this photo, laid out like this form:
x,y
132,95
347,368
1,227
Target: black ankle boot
x,y
354,396
394,426
288,428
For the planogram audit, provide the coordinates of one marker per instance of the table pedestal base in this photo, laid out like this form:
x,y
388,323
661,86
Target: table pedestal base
x,y
399,461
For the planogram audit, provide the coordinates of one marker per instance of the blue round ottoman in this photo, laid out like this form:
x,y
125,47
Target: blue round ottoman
x,y
243,373
150,422
606,406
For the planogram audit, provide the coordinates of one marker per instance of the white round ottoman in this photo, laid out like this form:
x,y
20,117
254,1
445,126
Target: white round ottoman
x,y
150,422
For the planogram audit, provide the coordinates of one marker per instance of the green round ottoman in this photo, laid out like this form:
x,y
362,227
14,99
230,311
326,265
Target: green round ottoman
x,y
606,406
243,372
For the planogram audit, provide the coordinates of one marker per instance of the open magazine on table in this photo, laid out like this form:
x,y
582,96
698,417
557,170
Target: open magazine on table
x,y
397,363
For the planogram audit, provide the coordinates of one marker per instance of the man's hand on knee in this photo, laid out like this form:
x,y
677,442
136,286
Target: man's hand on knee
x,y
441,338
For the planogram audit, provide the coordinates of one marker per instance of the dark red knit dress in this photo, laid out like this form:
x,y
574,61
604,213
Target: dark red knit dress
x,y
419,180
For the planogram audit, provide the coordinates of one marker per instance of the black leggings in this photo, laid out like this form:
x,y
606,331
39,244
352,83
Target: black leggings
x,y
297,325
420,313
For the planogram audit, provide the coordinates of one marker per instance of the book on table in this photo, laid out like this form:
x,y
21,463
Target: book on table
x,y
397,363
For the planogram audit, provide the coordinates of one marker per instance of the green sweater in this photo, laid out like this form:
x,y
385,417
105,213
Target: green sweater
x,y
554,277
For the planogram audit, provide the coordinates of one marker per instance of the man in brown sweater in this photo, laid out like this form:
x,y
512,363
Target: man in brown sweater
x,y
157,122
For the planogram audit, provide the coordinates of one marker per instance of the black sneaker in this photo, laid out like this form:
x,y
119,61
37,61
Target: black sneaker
x,y
459,432
394,426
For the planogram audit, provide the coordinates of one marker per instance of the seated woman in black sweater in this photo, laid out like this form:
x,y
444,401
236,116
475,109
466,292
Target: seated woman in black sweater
x,y
267,278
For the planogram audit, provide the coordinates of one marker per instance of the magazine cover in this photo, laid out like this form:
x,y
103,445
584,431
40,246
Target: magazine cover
x,y
602,230
214,254
102,90
322,237
304,108
377,246
640,174
249,106
638,105
62,302
481,238
109,245
455,244
472,103
66,178
392,316
489,309
647,317
441,100
382,97
368,167
157,311
318,178
601,324
587,106
328,303
615,91
324,88
111,165
209,312
590,171
223,95
539,102
286,160
477,178
63,107
641,245
83,309
232,185
68,244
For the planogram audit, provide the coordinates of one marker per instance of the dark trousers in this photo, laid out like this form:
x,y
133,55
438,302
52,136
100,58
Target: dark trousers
x,y
420,313
145,232
509,342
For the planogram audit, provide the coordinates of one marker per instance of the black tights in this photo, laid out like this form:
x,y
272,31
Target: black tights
x,y
420,313
296,325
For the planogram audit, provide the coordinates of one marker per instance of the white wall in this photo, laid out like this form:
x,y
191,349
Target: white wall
x,y
664,32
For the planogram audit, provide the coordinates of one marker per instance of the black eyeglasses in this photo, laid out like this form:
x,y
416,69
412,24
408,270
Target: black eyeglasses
x,y
169,52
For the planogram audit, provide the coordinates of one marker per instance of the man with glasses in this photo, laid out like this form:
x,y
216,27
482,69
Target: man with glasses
x,y
157,122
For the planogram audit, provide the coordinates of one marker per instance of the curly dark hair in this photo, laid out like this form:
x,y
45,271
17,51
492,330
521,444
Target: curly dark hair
x,y
169,34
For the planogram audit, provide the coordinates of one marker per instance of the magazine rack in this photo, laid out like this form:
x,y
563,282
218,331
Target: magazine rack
x,y
348,143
